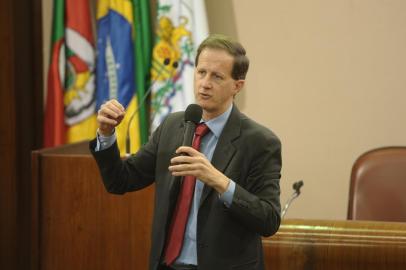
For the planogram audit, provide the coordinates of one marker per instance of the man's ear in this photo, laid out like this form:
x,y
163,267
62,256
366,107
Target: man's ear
x,y
239,84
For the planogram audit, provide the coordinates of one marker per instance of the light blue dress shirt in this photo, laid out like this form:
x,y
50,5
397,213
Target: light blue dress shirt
x,y
188,253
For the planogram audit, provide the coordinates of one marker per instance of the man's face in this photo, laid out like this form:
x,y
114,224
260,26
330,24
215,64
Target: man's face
x,y
214,87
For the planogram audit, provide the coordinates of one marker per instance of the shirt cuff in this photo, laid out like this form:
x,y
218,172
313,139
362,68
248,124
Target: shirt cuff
x,y
227,196
104,142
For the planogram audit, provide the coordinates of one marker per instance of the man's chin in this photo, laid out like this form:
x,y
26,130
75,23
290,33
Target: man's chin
x,y
202,104
206,107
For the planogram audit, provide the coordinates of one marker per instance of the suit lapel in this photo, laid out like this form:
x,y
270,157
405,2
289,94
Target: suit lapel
x,y
225,149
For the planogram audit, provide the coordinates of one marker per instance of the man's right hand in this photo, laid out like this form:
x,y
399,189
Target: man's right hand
x,y
109,116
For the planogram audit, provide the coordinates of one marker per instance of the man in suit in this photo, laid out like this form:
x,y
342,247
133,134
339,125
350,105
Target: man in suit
x,y
236,195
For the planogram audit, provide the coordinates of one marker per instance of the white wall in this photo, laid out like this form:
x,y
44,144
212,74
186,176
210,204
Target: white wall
x,y
329,77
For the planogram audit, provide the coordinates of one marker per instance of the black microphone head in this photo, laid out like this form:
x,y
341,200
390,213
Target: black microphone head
x,y
297,185
193,113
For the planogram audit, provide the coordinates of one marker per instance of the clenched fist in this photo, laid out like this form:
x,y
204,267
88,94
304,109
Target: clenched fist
x,y
109,116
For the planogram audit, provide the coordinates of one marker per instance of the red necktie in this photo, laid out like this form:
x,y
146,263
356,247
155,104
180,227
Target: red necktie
x,y
181,214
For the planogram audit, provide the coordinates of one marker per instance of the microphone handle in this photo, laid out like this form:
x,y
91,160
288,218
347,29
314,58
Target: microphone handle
x,y
190,128
189,133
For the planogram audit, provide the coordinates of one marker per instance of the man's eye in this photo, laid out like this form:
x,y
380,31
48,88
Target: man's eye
x,y
201,72
218,77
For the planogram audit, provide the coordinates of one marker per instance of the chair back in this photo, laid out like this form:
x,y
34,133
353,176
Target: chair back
x,y
378,186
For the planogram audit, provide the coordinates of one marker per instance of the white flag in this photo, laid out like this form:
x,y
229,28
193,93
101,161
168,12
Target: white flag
x,y
181,26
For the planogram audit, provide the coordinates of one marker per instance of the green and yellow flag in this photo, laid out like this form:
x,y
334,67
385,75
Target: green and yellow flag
x,y
123,63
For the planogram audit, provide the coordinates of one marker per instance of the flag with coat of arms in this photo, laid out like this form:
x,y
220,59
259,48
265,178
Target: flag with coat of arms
x,y
70,103
180,27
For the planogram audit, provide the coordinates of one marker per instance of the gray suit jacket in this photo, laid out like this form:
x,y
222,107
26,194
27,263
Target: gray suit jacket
x,y
227,238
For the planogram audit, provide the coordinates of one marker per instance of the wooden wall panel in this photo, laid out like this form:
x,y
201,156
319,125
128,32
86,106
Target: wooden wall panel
x,y
20,124
8,185
28,99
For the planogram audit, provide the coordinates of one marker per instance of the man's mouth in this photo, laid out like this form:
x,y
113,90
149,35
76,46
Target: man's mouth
x,y
204,96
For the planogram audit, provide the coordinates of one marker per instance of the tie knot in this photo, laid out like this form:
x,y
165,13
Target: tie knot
x,y
202,129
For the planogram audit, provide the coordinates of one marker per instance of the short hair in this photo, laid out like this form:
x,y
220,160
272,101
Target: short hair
x,y
235,49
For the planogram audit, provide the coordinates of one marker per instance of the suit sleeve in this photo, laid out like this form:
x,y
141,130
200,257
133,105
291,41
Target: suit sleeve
x,y
257,204
136,172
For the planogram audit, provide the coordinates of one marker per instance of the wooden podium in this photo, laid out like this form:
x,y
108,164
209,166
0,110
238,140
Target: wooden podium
x,y
78,225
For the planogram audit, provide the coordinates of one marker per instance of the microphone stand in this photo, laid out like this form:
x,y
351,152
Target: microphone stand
x,y
140,105
296,186
152,117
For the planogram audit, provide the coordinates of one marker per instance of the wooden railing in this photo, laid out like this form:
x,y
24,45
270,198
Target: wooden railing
x,y
323,244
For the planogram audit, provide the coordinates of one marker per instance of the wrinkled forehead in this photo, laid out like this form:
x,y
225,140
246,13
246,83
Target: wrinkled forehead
x,y
216,59
215,50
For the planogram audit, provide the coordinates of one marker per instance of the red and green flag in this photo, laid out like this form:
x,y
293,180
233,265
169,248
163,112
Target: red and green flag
x,y
71,102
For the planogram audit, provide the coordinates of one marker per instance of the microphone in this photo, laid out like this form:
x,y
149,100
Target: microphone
x,y
296,186
193,114
141,103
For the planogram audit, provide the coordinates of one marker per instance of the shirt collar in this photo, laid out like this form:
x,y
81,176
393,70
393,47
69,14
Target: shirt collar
x,y
217,124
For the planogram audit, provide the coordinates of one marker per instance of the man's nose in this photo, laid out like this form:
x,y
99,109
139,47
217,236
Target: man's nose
x,y
206,82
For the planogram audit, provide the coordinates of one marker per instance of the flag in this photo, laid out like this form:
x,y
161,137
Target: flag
x,y
180,27
70,106
143,54
118,76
